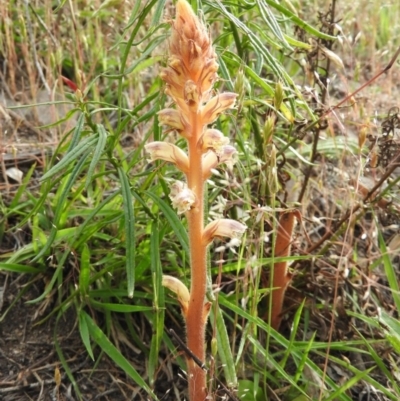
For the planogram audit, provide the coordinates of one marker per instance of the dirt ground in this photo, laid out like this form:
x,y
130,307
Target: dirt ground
x,y
30,367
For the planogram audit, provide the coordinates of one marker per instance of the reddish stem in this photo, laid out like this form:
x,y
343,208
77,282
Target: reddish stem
x,y
280,275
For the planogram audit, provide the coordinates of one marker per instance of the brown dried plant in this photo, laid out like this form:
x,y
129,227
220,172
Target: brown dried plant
x,y
190,76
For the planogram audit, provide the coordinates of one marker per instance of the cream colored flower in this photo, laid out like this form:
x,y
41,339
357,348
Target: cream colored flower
x,y
213,139
217,105
180,289
167,151
223,228
173,118
183,198
211,159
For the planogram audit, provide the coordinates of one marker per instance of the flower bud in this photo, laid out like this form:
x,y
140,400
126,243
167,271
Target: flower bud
x,y
191,95
180,289
272,175
362,136
268,130
278,97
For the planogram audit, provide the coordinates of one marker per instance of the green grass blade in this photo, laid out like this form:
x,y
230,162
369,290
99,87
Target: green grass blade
x,y
120,308
22,188
158,301
350,383
129,230
271,23
390,271
101,143
224,347
107,347
84,271
94,213
173,220
76,136
308,28
18,268
84,332
65,365
85,144
62,203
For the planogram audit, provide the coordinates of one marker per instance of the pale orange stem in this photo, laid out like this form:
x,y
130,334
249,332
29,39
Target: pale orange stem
x,y
196,315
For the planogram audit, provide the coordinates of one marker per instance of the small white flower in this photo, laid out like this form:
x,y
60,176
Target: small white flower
x,y
182,197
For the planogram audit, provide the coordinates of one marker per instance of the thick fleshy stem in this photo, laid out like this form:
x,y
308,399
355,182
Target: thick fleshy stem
x,y
280,274
196,317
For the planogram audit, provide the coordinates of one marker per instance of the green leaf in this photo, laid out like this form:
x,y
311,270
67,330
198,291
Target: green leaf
x,y
18,268
84,271
308,28
129,230
250,391
392,330
22,188
101,143
271,22
65,365
173,220
158,301
76,136
390,271
224,347
85,144
121,308
61,204
84,332
106,346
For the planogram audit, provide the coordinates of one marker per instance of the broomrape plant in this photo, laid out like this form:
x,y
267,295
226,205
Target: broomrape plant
x,y
189,78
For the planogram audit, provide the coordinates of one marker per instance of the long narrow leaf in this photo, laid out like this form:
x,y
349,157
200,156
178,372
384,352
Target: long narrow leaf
x,y
76,136
101,143
224,347
390,271
106,346
158,301
71,156
61,204
129,230
173,220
